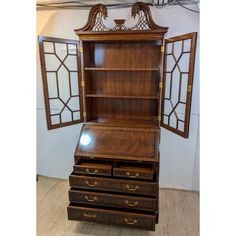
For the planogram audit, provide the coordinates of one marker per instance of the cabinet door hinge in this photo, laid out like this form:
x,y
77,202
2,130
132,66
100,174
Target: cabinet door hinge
x,y
82,83
84,114
160,85
162,48
81,50
158,118
189,88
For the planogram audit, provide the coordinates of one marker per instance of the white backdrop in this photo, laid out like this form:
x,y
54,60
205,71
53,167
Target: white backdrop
x,y
55,148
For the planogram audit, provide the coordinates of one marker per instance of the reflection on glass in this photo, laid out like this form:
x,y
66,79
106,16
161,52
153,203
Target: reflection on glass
x,y
85,139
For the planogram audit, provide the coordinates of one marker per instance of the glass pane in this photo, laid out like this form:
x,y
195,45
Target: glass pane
x,y
55,119
184,62
55,106
175,86
184,86
167,85
181,126
165,121
169,48
48,47
66,116
168,107
177,49
187,45
73,104
74,83
52,84
61,50
52,63
76,115
173,121
63,81
170,63
71,63
72,48
180,110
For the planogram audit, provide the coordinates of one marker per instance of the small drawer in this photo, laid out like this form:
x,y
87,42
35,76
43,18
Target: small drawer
x,y
113,200
134,170
93,167
111,216
114,185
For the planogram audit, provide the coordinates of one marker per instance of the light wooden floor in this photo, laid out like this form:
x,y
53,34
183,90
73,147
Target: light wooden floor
x,y
179,214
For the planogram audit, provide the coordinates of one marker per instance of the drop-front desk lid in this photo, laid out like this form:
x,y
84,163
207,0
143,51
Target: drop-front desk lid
x,y
130,143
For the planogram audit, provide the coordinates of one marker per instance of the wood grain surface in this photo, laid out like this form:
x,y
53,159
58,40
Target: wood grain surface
x,y
179,214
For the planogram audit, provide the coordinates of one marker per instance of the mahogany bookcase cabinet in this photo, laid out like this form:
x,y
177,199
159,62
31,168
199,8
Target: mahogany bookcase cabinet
x,y
123,83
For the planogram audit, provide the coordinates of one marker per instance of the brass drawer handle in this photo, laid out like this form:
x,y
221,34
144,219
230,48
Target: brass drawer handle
x,y
132,176
91,184
135,203
131,222
91,172
132,188
90,200
89,215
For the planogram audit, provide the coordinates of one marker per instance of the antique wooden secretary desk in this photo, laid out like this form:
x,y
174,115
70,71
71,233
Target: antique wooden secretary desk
x,y
123,83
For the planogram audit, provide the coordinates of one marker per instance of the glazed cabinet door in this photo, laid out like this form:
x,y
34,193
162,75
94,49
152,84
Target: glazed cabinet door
x,y
178,73
61,78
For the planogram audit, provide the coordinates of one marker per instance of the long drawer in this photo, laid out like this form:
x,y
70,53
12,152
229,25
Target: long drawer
x,y
110,216
114,185
113,200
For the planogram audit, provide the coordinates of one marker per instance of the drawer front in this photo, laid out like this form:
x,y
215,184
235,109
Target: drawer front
x,y
134,220
132,174
113,200
115,185
92,170
134,170
93,167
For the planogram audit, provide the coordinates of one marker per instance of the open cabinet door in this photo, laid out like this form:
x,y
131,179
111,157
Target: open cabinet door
x,y
178,71
60,67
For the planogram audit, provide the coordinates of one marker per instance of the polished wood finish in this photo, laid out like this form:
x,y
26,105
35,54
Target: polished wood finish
x,y
89,167
114,185
113,200
115,81
118,142
129,219
124,123
99,12
116,56
179,214
134,170
116,171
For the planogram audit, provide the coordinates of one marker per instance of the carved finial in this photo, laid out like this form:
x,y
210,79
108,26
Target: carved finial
x,y
119,24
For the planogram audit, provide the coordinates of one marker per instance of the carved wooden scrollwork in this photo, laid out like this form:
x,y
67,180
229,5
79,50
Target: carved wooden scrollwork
x,y
145,21
98,15
95,19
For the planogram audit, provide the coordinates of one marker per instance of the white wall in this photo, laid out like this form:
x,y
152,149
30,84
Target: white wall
x,y
55,148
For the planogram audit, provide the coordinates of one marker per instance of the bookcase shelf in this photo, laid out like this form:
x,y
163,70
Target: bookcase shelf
x,y
119,69
120,96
